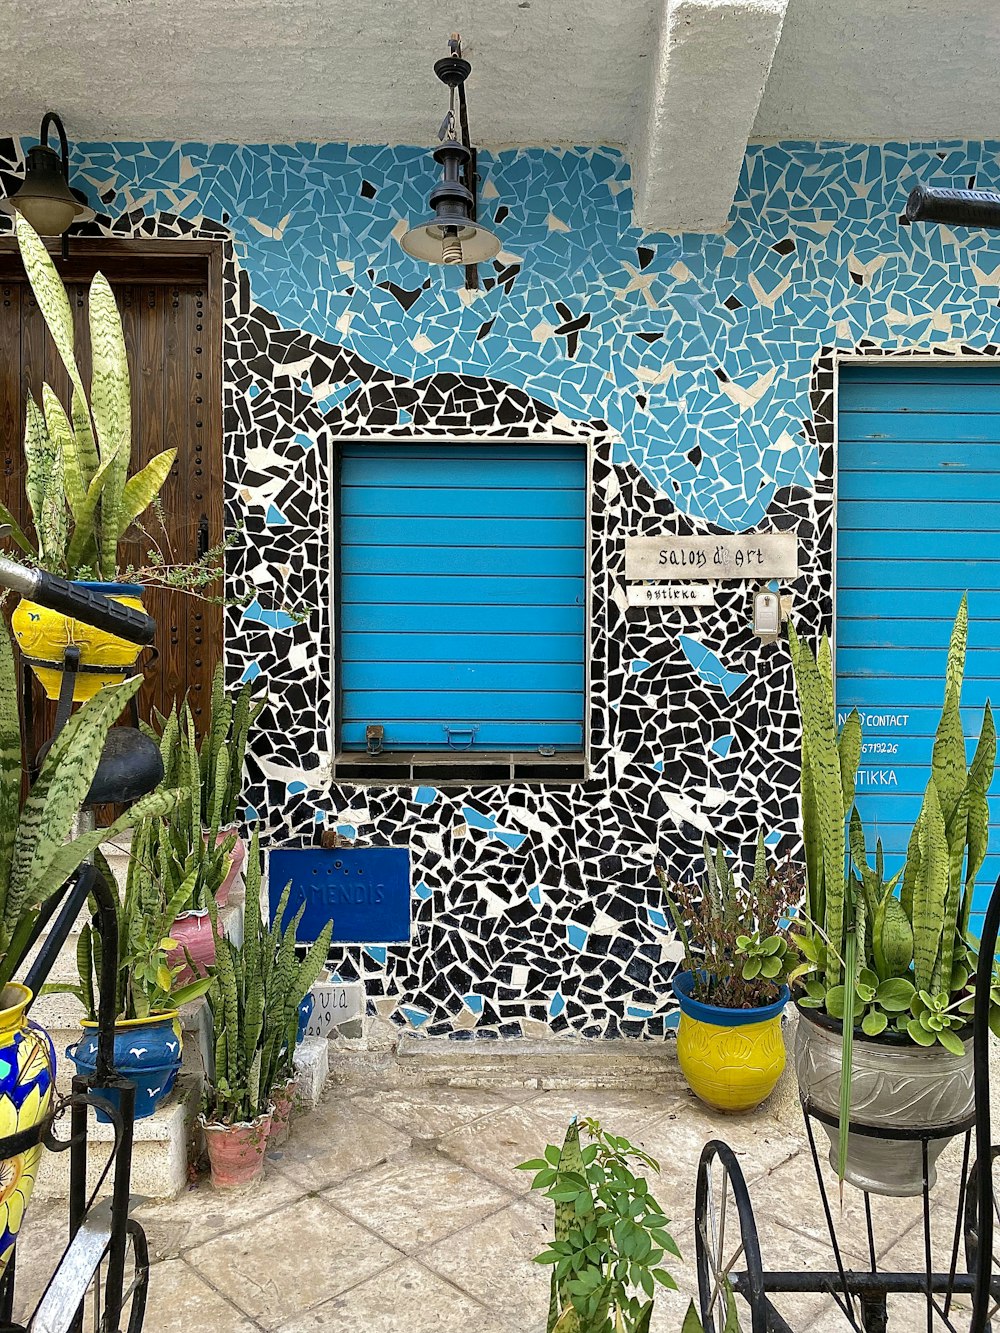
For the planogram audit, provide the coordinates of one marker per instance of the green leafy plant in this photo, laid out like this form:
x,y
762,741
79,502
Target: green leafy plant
x,y
610,1237
180,847
732,929
147,984
37,853
893,952
81,495
692,1320
255,1000
222,752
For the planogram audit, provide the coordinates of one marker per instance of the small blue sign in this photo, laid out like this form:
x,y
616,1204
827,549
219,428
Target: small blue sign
x,y
366,890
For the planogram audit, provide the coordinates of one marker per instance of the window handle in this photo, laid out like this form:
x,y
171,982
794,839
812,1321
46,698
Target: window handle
x,y
460,738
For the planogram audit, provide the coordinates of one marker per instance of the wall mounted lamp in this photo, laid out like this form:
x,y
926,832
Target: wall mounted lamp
x,y
453,235
44,198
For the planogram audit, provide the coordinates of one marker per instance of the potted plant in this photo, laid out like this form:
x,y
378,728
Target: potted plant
x,y
886,987
255,1000
79,490
218,764
183,855
37,855
148,1039
611,1236
733,988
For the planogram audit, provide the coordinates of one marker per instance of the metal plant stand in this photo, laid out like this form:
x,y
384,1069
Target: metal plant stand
x,y
100,1282
728,1249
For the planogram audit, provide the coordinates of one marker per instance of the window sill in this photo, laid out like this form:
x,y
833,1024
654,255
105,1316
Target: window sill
x,y
459,768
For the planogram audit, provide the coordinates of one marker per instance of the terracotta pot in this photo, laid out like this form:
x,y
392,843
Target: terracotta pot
x,y
283,1101
236,1152
42,635
27,1078
193,933
236,858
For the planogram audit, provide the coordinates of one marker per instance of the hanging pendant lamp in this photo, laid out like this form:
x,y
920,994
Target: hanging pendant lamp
x,y
453,235
44,198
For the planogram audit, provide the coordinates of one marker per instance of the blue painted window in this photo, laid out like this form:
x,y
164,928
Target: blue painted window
x,y
462,596
918,524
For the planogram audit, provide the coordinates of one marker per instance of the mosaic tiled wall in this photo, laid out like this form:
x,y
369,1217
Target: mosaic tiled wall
x,y
701,368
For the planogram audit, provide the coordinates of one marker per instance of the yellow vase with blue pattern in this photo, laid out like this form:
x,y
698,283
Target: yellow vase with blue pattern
x,y
27,1082
731,1058
43,635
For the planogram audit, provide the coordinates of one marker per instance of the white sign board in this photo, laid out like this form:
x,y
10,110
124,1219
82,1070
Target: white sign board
x,y
671,594
334,1004
771,555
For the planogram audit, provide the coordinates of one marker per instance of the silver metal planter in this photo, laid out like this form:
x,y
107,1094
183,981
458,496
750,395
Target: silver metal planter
x,y
895,1085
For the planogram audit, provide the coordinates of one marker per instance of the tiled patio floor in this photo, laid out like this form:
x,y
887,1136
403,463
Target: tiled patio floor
x,y
400,1212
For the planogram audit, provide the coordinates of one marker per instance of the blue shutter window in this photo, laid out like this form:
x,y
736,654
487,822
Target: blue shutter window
x,y
462,596
918,524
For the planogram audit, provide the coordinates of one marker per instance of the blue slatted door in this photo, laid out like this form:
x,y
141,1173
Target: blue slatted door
x,y
463,596
918,524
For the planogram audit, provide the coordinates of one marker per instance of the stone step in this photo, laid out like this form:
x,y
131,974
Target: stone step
x,y
160,1152
168,1141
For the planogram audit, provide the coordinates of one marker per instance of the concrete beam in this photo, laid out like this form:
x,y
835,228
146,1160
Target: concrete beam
x,y
707,79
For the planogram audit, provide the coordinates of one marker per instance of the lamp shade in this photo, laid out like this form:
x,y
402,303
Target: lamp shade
x,y
436,241
44,198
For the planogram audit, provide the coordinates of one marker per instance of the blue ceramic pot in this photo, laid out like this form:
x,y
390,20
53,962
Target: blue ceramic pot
x,y
147,1053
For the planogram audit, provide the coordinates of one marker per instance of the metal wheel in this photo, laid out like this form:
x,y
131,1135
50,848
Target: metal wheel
x,y
971,1223
726,1245
80,1297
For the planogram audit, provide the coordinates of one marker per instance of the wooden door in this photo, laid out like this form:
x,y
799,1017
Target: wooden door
x,y
170,315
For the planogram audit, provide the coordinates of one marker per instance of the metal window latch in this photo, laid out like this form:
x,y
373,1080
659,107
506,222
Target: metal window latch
x,y
460,738
374,736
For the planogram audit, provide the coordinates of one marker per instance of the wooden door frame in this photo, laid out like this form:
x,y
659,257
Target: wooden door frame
x,y
160,262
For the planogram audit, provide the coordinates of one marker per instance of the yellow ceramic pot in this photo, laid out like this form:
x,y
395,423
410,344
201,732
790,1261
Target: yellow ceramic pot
x,y
43,635
731,1058
27,1077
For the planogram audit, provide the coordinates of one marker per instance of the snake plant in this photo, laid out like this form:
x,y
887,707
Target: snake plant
x,y
37,854
217,760
181,848
877,951
255,1000
80,493
147,984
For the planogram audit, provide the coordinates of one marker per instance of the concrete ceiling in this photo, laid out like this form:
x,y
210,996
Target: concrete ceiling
x,y
681,84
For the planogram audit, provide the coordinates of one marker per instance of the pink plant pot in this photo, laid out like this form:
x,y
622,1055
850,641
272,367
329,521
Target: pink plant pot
x,y
283,1101
193,933
236,1152
236,858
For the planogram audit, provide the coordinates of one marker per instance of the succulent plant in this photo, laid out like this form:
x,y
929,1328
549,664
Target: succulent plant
x,y
37,852
255,1000
80,493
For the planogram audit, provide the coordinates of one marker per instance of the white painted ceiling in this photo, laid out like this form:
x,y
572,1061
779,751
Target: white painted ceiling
x,y
545,72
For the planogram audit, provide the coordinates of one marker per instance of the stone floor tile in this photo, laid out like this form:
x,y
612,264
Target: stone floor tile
x,y
202,1212
417,1199
427,1113
494,1145
285,1263
632,1114
181,1300
790,1192
493,1262
335,1140
406,1299
676,1141
41,1242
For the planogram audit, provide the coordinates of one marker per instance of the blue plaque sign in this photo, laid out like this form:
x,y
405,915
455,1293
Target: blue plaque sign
x,y
366,890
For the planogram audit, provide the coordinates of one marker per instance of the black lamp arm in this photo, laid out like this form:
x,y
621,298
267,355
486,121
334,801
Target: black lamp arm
x,y
50,119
